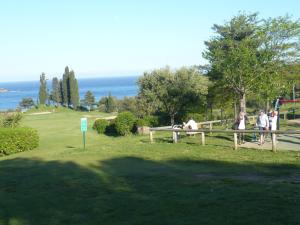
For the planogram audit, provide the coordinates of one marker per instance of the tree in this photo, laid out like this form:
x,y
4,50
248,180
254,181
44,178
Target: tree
x,y
109,102
73,90
43,95
89,99
56,92
26,103
250,54
66,87
128,104
174,92
61,91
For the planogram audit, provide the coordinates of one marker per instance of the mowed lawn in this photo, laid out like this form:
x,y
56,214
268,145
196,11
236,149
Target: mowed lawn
x,y
128,181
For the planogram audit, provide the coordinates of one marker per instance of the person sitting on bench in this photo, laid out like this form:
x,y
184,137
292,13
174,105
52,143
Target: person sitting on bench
x,y
190,125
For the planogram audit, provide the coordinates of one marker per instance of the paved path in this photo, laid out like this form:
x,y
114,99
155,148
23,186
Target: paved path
x,y
285,142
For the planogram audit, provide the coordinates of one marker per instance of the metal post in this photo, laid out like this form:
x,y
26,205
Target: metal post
x,y
83,133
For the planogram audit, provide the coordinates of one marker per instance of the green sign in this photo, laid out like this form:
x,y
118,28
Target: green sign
x,y
83,124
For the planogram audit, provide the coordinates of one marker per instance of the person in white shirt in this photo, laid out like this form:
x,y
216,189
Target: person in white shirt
x,y
274,121
241,123
262,123
190,125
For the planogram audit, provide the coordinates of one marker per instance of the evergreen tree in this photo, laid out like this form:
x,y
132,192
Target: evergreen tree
x,y
26,103
43,90
89,99
73,90
110,104
56,94
61,91
66,87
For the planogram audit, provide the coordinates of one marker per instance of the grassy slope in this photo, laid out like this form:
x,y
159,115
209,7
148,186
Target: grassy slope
x,y
126,180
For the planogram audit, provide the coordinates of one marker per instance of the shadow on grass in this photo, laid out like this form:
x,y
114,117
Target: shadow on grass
x,y
133,190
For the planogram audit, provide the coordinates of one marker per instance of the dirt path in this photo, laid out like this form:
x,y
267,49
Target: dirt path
x,y
285,142
39,113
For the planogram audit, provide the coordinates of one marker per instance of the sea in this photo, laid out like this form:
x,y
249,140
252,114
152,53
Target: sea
x,y
100,87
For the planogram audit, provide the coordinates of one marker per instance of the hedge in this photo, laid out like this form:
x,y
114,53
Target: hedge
x,y
124,123
100,125
13,140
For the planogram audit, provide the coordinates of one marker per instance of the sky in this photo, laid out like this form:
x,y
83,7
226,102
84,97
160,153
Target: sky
x,y
114,37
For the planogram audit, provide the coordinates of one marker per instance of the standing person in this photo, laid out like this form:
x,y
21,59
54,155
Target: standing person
x,y
270,117
262,123
241,122
274,121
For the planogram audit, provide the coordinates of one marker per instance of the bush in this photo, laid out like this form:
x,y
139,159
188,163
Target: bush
x,y
125,123
10,120
17,140
111,128
149,121
152,121
100,125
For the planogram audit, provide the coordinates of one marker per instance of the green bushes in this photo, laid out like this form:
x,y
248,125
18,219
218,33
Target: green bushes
x,y
149,121
17,140
100,125
10,120
124,123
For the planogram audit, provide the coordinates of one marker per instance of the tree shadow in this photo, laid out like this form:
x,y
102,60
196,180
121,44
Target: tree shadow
x,y
131,190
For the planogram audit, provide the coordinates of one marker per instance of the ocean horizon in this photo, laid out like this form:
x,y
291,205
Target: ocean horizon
x,y
118,86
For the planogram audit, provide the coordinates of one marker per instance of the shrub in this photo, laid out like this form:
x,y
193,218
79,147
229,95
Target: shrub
x,y
100,125
10,120
125,123
111,128
17,140
152,121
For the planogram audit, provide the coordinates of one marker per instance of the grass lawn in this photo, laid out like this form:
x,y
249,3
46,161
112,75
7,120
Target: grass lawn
x,y
128,181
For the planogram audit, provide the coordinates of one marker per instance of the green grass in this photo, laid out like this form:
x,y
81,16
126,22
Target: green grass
x,y
127,180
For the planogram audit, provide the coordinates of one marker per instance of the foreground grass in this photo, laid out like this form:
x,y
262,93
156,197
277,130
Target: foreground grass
x,y
127,180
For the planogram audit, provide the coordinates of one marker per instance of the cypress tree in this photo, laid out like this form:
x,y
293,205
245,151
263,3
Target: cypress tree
x,y
43,90
61,92
73,90
56,95
66,87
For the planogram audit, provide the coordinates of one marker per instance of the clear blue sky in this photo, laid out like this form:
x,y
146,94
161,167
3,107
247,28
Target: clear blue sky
x,y
97,38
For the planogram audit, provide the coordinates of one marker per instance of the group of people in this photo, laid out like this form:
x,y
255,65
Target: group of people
x,y
264,122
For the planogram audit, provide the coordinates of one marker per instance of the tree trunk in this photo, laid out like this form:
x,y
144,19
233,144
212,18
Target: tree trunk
x,y
172,120
235,109
267,105
243,102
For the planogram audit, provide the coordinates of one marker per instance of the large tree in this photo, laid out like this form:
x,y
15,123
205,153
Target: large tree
x,y
43,95
66,87
89,99
56,91
73,90
174,91
250,54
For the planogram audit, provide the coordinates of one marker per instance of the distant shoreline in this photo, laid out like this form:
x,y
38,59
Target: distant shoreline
x,y
3,90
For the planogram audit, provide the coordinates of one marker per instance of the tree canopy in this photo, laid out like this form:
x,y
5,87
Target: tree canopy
x,y
174,91
250,54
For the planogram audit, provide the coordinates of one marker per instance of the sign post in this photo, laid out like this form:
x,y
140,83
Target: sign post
x,y
83,123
